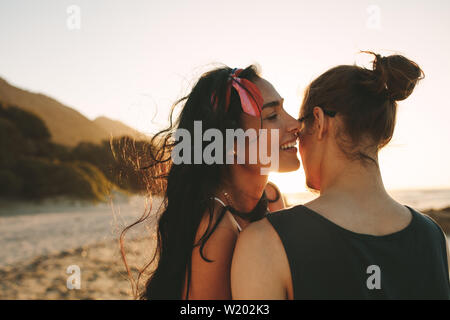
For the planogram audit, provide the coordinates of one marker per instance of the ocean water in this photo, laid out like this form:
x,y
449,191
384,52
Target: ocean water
x,y
418,199
30,231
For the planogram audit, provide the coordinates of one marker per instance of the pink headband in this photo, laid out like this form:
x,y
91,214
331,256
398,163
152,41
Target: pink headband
x,y
251,99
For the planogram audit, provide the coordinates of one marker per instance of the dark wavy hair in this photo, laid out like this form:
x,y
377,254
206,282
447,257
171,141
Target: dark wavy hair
x,y
189,188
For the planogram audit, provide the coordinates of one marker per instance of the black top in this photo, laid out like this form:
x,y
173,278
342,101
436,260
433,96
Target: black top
x,y
330,262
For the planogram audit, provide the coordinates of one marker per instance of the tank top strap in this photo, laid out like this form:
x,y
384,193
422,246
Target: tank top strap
x,y
223,204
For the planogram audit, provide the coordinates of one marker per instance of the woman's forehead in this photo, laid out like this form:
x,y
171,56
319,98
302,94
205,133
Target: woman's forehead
x,y
267,90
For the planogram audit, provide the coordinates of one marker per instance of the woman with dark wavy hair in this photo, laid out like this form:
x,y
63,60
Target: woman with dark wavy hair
x,y
354,241
206,205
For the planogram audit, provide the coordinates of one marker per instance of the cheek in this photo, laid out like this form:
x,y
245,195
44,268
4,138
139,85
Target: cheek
x,y
304,157
251,145
303,147
311,154
308,155
262,144
271,132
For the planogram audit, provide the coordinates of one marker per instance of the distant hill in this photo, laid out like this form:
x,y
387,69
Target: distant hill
x,y
117,128
67,126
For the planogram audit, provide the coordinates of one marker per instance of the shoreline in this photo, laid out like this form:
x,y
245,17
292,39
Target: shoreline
x,y
17,207
55,228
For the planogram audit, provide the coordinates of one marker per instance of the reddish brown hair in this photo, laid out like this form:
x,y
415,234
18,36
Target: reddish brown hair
x,y
366,100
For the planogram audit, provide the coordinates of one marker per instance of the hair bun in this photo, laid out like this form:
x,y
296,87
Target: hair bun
x,y
396,75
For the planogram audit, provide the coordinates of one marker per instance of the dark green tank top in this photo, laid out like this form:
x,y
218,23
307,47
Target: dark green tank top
x,y
330,262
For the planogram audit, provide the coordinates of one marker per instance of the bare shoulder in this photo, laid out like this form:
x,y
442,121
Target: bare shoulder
x,y
272,193
218,234
226,225
261,238
258,230
271,190
211,279
260,269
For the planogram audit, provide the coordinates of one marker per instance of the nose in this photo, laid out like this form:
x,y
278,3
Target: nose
x,y
293,125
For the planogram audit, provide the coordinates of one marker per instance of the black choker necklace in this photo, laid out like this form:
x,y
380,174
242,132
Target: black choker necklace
x,y
258,212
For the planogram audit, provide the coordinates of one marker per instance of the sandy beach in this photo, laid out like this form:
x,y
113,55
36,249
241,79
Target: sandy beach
x,y
41,272
103,275
40,243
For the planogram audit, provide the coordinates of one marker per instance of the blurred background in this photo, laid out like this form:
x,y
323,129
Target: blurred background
x,y
81,79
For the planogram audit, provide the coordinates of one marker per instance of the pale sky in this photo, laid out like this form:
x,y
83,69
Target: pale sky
x,y
130,60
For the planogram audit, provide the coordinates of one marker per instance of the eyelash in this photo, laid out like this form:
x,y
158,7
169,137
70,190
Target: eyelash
x,y
272,117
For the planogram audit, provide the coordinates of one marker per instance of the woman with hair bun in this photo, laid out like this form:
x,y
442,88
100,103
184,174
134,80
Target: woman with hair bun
x,y
354,241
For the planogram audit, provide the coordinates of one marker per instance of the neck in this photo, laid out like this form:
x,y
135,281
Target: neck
x,y
352,181
244,187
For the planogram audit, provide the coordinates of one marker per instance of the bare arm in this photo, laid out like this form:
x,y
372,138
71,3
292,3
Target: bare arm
x,y
211,280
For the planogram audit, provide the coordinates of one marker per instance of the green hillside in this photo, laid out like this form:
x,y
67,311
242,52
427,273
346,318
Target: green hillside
x,y
49,150
67,126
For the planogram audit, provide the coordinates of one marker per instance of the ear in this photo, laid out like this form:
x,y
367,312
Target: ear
x,y
319,122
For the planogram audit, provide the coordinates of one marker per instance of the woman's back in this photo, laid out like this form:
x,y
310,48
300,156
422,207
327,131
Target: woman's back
x,y
328,261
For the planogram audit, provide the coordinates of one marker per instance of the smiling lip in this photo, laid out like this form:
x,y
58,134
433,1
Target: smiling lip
x,y
292,149
289,146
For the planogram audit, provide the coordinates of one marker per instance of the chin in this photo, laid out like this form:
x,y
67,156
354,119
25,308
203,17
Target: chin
x,y
312,186
288,166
